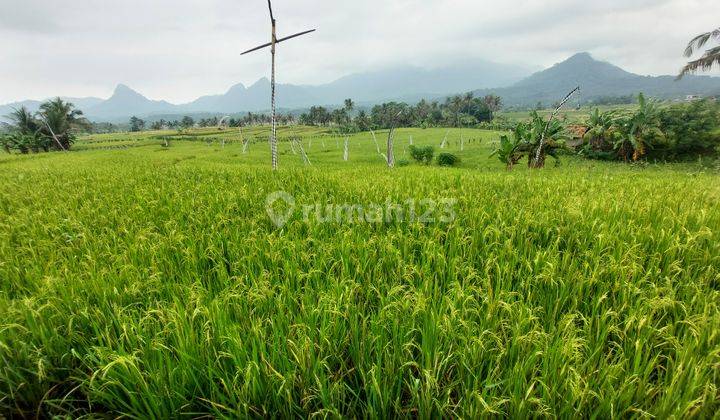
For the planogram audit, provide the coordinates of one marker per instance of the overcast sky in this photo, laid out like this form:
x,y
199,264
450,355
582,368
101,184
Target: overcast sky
x,y
181,49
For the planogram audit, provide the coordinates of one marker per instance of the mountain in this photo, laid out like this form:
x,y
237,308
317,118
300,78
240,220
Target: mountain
x,y
255,98
598,79
414,82
125,102
409,84
404,83
34,106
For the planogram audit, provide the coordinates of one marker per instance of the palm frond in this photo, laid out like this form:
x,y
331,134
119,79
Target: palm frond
x,y
704,63
700,41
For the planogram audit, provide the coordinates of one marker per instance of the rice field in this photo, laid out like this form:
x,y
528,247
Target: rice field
x,y
143,281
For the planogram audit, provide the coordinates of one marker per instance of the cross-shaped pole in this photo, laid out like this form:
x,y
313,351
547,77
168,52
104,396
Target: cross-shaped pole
x,y
272,44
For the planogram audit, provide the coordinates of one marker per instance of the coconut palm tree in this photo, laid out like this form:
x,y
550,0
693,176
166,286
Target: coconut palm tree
x,y
24,121
25,133
60,120
493,102
710,58
454,106
6,142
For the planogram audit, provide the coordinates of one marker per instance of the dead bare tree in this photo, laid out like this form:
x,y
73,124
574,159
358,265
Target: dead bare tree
x,y
390,146
243,140
444,142
305,157
222,124
377,145
59,143
538,154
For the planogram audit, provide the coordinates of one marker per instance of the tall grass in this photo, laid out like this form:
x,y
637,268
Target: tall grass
x,y
150,283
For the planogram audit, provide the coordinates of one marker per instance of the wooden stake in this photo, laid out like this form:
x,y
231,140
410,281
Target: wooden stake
x,y
444,142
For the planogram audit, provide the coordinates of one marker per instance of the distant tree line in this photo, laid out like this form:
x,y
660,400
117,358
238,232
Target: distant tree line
x,y
186,122
457,111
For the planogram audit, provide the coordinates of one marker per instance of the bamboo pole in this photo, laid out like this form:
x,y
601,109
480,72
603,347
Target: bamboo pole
x,y
273,135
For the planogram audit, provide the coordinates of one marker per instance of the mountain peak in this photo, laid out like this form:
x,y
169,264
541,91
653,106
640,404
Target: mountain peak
x,y
126,93
581,69
121,88
236,88
264,81
581,57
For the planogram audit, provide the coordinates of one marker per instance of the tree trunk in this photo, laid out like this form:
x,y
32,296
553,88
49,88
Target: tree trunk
x,y
390,150
538,162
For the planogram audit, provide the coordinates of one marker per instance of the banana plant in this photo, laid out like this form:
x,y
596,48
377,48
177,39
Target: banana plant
x,y
526,138
604,131
508,152
639,131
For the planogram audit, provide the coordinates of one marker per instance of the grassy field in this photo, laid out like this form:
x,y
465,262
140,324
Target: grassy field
x,y
573,116
145,281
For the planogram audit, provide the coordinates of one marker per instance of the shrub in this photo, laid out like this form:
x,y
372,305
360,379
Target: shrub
x,y
678,131
403,162
690,130
447,159
422,154
5,142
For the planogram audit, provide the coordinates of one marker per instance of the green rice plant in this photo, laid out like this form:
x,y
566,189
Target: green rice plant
x,y
143,284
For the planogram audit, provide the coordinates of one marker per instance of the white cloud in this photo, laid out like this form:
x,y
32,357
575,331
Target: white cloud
x,y
181,49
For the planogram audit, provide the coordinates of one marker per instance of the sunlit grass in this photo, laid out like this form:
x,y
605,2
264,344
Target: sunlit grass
x,y
149,282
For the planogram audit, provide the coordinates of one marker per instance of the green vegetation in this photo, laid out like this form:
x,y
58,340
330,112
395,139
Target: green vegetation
x,y
710,57
54,126
422,154
655,132
448,159
147,282
526,140
649,131
456,111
